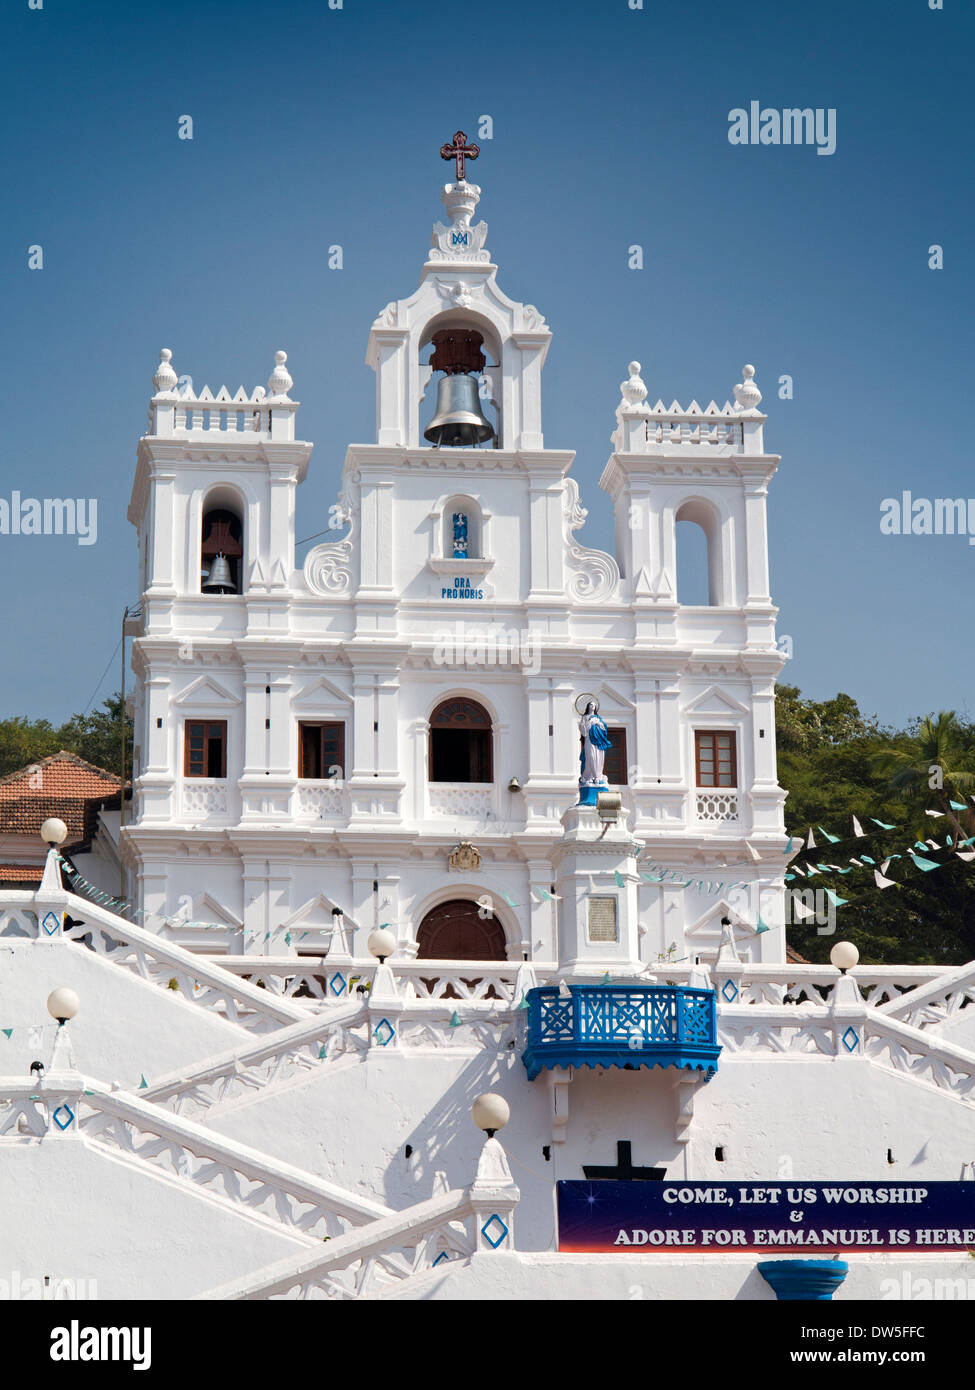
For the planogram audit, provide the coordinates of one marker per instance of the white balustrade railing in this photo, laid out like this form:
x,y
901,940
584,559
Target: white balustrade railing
x,y
667,429
401,1250
464,800
203,796
717,807
920,1054
222,1169
319,800
196,979
937,1001
247,1072
330,980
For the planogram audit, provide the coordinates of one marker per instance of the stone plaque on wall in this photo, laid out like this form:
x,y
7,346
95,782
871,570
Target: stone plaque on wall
x,y
602,919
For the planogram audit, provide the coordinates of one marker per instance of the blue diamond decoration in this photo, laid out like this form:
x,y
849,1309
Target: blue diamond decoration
x,y
337,984
729,991
55,923
63,1124
484,1231
851,1039
442,1256
384,1032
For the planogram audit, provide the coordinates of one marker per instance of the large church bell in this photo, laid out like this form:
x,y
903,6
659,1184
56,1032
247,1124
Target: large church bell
x,y
219,580
459,420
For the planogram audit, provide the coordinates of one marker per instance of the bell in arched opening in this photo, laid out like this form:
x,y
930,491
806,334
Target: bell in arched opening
x,y
459,420
219,580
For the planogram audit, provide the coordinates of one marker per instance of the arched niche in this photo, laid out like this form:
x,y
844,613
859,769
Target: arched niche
x,y
697,542
222,531
461,742
489,381
462,529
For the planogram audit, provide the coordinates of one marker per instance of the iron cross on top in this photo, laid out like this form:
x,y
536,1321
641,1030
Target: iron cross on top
x,y
459,149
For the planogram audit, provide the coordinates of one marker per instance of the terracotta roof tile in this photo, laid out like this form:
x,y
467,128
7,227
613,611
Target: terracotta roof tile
x,y
62,785
25,873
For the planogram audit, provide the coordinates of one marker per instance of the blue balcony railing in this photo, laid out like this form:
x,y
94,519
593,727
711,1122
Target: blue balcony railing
x,y
627,1026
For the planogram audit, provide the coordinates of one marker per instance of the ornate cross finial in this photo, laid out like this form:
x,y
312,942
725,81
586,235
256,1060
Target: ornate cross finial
x,y
459,149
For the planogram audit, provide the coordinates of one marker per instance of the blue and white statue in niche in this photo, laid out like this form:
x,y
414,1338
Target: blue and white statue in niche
x,y
592,756
460,536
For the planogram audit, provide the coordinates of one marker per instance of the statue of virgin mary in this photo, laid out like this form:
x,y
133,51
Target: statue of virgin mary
x,y
595,742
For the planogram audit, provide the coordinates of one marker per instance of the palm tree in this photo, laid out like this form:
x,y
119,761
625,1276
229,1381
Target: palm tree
x,y
910,770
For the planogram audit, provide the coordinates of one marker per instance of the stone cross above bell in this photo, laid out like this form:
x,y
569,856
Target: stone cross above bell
x,y
459,420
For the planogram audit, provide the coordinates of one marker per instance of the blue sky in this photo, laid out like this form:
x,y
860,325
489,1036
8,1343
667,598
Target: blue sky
x,y
315,126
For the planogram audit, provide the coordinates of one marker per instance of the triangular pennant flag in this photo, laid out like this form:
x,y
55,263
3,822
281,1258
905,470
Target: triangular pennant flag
x,y
509,900
143,1083
788,848
935,815
322,1054
800,872
524,1002
882,882
835,899
833,839
455,1020
926,864
957,805
7,1031
857,862
857,829
967,854
287,938
762,926
933,843
652,878
883,824
605,979
812,869
790,878
867,860
620,880
810,842
799,908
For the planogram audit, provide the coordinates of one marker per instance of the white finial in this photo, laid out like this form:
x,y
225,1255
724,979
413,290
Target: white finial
x,y
747,394
164,378
633,390
279,383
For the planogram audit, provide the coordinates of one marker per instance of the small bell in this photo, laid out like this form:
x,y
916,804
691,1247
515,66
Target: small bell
x,y
459,420
219,580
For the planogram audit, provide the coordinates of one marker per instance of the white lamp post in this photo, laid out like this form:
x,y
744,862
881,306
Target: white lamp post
x,y
381,943
490,1112
63,1004
844,956
54,832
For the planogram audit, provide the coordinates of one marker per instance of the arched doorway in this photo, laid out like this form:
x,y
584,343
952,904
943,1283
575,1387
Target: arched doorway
x,y
454,931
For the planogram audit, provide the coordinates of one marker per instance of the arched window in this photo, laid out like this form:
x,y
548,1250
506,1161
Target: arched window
x,y
697,541
456,931
221,552
461,742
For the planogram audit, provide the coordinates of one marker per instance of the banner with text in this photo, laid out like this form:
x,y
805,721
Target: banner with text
x,y
729,1217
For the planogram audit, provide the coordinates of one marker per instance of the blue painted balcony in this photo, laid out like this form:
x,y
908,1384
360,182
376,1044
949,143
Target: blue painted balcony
x,y
628,1026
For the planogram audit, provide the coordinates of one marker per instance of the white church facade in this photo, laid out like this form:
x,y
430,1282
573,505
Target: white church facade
x,y
324,736
453,962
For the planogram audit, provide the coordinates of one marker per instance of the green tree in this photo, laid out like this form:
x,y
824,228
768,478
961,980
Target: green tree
x,y
95,736
926,768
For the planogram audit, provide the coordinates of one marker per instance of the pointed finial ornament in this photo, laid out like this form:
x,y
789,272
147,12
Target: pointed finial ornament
x,y
633,390
164,378
747,394
279,383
